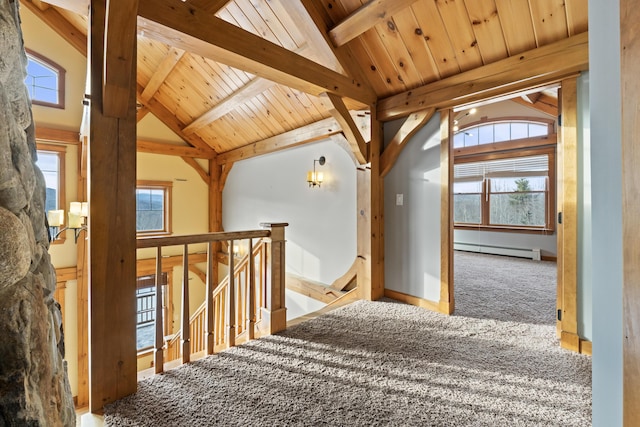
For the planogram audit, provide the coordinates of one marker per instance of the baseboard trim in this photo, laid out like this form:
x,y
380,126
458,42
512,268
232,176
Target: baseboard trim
x,y
585,347
438,307
549,258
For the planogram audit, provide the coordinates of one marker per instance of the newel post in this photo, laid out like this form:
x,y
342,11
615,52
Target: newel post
x,y
274,313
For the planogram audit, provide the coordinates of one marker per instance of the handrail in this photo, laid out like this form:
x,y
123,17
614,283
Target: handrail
x,y
240,306
155,241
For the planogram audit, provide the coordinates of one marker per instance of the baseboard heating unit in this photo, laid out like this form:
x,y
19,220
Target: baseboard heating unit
x,y
533,254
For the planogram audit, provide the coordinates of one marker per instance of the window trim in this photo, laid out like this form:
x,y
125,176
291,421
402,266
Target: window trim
x,y
504,150
61,152
167,187
61,80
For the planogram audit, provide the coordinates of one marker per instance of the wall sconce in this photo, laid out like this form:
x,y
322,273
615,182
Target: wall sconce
x,y
77,213
315,178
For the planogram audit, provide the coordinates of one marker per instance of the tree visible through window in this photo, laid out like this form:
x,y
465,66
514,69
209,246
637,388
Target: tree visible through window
x,y
153,200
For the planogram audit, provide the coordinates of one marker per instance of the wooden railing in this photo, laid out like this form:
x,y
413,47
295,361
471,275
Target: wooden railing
x,y
248,312
243,306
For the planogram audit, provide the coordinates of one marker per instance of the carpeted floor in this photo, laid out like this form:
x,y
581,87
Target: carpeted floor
x,y
387,363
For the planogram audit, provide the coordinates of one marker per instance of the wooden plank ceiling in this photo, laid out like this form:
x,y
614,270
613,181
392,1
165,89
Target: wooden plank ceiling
x,y
386,47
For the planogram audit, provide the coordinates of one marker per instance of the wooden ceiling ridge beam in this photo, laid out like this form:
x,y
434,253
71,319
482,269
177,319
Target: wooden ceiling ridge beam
x,y
120,39
163,71
364,18
536,67
309,13
340,113
173,150
193,29
60,25
313,132
412,124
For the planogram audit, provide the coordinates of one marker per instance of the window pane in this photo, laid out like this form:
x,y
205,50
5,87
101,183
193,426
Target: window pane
x,y
49,164
506,185
471,137
145,317
537,130
467,187
458,140
502,132
150,220
41,81
467,208
517,209
519,130
485,134
157,200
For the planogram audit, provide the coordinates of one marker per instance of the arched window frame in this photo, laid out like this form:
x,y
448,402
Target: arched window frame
x,y
57,69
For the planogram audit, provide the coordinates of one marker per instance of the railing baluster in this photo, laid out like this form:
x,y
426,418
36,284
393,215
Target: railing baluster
x,y
186,333
209,332
158,359
251,293
231,300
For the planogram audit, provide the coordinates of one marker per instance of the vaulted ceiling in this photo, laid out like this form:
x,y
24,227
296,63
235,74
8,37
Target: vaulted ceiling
x,y
294,67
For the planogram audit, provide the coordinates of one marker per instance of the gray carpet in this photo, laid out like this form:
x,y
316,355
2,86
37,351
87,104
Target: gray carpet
x,y
387,363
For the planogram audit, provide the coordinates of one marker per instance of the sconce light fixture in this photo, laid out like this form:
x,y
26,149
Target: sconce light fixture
x,y
77,213
315,178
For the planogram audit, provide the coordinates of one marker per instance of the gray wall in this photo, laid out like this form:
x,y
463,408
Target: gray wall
x,y
606,161
546,243
321,237
412,231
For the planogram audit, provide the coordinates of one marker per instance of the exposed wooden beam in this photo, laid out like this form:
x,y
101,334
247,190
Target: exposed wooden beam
x,y
224,174
211,6
57,135
165,68
535,67
119,55
249,91
365,17
544,103
411,125
66,273
309,133
312,289
172,122
60,25
201,274
173,150
339,111
348,279
190,28
196,166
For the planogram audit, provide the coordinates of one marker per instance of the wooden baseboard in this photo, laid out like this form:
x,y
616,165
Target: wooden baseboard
x,y
439,307
585,347
549,258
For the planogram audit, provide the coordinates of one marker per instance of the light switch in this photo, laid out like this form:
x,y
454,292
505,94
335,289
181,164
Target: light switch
x,y
399,199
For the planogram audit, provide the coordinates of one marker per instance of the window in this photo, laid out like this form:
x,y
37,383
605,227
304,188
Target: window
x,y
504,176
500,131
146,309
514,191
153,207
51,163
45,81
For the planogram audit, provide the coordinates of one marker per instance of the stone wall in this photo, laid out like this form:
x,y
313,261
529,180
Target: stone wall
x,y
34,389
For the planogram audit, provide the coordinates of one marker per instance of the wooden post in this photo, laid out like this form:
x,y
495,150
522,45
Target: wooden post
x,y
208,299
82,268
447,303
231,299
568,229
112,219
251,294
629,67
185,342
158,351
274,313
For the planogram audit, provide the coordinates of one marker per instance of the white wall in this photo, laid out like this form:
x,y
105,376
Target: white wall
x,y
321,236
412,231
606,181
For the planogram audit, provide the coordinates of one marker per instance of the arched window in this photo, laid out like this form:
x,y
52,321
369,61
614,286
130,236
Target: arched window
x,y
500,131
45,81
